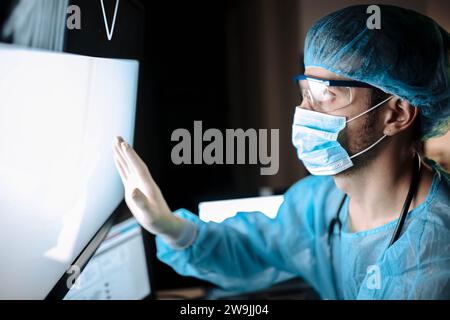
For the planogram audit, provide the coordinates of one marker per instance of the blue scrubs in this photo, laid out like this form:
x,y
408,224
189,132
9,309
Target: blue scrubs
x,y
251,251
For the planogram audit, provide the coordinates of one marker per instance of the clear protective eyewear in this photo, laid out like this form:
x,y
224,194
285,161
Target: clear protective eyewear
x,y
328,95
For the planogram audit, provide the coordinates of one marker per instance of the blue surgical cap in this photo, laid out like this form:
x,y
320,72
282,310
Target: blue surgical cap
x,y
407,57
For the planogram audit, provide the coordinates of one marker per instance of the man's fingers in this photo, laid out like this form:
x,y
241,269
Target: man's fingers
x,y
120,155
133,159
121,170
121,159
131,156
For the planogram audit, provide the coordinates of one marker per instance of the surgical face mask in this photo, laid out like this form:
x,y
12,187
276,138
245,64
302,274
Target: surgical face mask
x,y
314,135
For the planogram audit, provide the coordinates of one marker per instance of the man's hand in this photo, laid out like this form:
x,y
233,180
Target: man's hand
x,y
143,196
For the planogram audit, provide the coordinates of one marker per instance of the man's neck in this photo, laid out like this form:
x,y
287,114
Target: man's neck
x,y
378,191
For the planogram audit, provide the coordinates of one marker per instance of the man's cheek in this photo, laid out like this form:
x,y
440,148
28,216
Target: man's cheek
x,y
344,139
351,139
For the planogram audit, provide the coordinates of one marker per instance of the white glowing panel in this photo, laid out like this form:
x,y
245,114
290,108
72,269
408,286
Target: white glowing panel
x,y
217,211
59,114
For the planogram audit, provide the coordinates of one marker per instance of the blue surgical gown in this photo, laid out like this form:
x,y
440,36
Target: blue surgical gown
x,y
251,251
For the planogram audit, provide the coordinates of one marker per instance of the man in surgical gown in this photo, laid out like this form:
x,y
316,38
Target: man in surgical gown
x,y
406,67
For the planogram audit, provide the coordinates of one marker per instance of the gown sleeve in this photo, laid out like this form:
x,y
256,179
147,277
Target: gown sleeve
x,y
249,251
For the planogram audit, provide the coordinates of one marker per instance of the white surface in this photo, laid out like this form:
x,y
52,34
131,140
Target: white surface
x,y
118,269
217,211
59,114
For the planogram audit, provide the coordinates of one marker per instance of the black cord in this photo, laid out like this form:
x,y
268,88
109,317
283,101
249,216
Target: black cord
x,y
412,191
336,220
333,222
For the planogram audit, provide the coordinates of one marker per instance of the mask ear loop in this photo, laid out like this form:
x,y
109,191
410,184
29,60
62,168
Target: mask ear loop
x,y
374,107
368,148
379,140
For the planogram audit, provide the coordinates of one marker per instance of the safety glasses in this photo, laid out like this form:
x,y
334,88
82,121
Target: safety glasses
x,y
328,95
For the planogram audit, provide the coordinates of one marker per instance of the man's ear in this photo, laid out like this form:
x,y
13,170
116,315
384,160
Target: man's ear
x,y
399,116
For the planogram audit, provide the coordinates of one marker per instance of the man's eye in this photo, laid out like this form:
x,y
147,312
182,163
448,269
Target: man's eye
x,y
328,96
331,92
306,95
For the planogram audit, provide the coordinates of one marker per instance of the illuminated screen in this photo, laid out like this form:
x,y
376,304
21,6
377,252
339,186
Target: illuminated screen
x,y
59,114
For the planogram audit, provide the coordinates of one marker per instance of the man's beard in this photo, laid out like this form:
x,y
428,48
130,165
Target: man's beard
x,y
367,136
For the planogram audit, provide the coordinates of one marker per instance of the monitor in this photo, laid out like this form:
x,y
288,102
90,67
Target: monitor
x,y
119,269
217,211
59,114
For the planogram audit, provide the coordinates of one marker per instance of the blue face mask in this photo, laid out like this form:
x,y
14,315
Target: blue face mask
x,y
314,135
